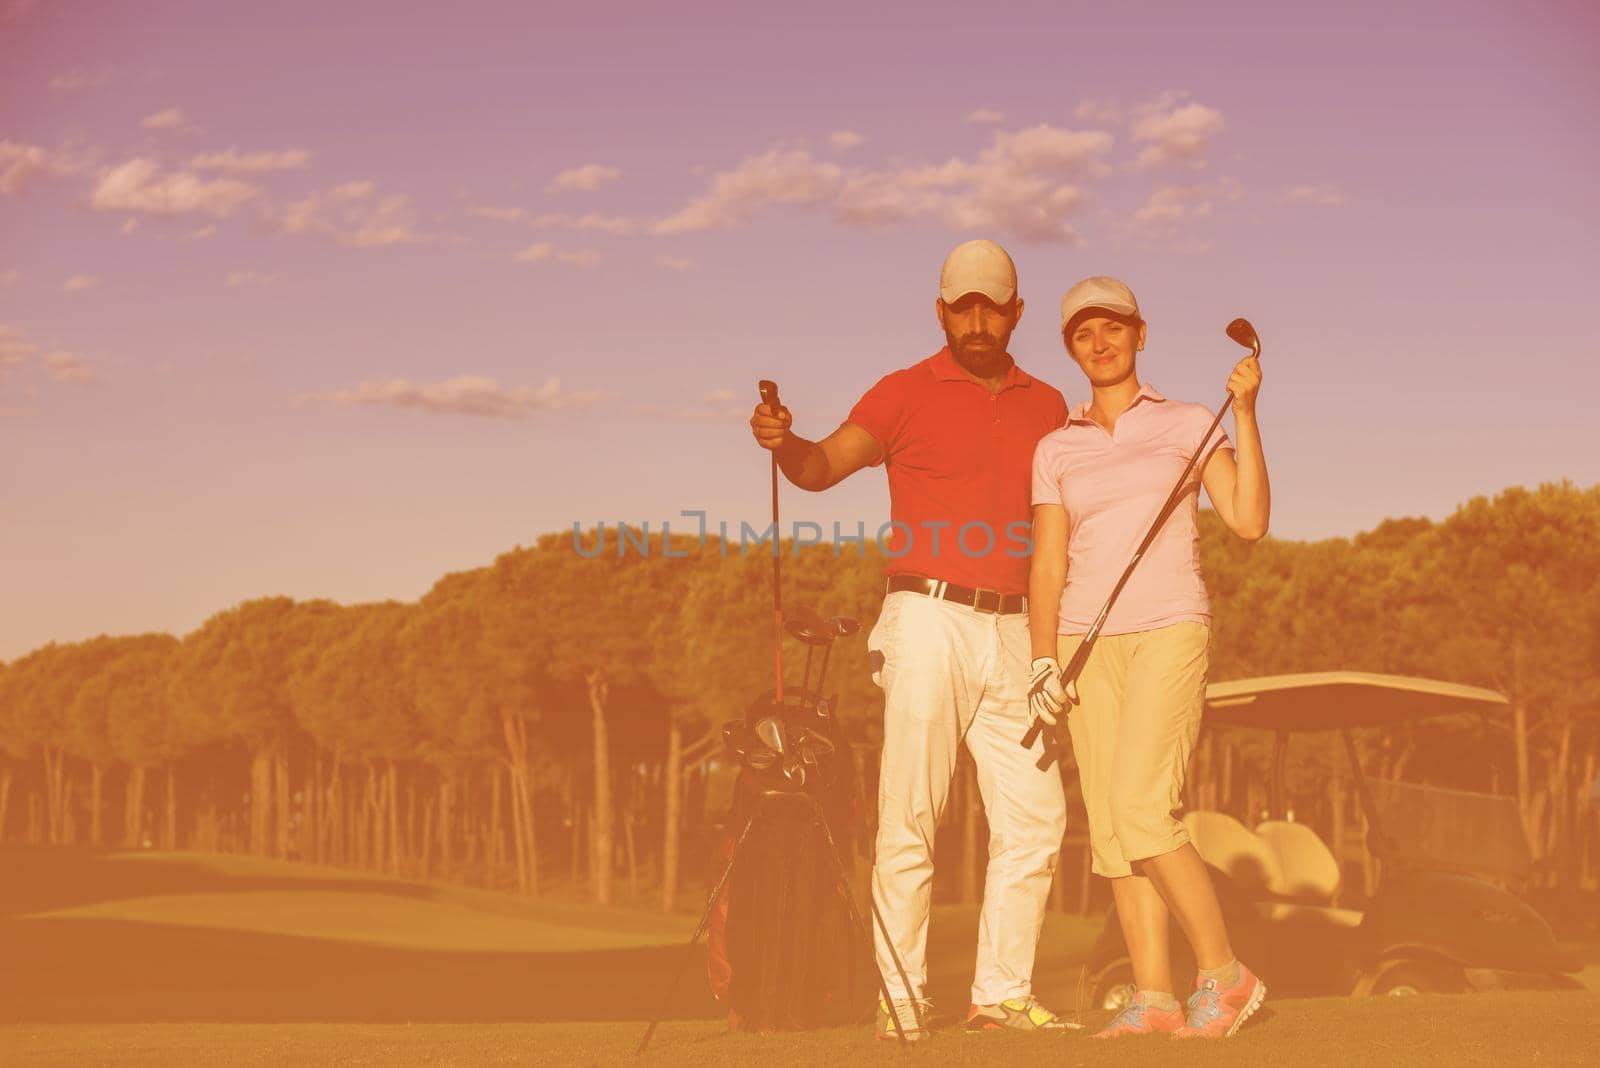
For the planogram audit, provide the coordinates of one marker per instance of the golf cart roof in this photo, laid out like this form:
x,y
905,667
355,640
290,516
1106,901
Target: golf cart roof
x,y
1332,700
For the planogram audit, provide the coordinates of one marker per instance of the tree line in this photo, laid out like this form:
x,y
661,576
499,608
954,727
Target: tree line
x,y
549,723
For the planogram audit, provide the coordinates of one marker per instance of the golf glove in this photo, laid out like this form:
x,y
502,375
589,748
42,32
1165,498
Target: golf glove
x,y
1046,698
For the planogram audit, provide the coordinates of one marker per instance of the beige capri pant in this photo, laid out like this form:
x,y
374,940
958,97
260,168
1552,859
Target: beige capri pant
x,y
1141,696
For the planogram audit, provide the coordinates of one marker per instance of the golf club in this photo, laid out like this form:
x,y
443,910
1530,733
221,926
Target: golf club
x,y
1242,332
769,397
842,627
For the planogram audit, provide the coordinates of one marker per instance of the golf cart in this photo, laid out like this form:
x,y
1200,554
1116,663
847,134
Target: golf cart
x,y
1441,918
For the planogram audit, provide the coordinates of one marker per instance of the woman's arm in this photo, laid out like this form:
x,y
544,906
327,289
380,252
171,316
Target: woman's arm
x,y
1236,480
1047,574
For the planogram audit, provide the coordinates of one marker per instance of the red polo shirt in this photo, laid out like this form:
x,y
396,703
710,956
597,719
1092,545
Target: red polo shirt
x,y
959,457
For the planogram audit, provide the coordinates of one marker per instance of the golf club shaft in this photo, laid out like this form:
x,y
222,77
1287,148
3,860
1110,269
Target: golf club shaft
x,y
1069,674
769,397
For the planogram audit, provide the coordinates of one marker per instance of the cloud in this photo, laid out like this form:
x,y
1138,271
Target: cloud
x,y
208,230
352,214
778,177
19,164
674,263
1320,195
15,349
499,214
583,179
1025,183
463,395
65,367
545,252
1177,135
170,119
230,161
985,116
618,225
240,279
9,278
139,186
69,81
845,139
80,281
1166,216
129,225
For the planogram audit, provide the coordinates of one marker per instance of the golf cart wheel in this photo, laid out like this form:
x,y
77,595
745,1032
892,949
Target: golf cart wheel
x,y
1416,976
1112,988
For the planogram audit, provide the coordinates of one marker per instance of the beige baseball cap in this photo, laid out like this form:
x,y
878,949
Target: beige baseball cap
x,y
1098,292
978,267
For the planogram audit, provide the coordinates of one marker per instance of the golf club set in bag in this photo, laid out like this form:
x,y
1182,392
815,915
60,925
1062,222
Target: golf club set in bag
x,y
787,947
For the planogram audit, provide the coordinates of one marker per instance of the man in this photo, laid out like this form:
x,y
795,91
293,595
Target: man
x,y
956,433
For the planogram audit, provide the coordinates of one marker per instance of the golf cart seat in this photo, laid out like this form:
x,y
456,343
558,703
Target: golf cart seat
x,y
1307,871
1235,850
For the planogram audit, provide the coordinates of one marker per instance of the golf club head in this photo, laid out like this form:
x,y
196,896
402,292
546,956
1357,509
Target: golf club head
x,y
794,771
770,731
769,393
844,626
1245,334
806,626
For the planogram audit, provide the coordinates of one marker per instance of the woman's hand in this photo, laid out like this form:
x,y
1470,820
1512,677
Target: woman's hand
x,y
1244,384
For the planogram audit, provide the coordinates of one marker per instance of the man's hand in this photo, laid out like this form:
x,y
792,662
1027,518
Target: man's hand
x,y
770,427
1046,698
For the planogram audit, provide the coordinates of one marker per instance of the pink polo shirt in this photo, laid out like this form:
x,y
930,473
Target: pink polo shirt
x,y
1112,485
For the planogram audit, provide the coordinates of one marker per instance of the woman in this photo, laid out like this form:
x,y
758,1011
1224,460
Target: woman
x,y
1098,483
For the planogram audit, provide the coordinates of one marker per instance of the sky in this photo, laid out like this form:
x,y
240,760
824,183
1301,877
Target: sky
x,y
331,300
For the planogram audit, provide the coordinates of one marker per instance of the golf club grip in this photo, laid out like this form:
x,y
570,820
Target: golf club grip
x,y
1070,674
769,394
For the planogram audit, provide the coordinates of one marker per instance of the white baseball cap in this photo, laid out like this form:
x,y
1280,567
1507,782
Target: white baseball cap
x,y
1098,292
978,267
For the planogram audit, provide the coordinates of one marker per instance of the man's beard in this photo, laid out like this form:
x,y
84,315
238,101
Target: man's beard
x,y
983,360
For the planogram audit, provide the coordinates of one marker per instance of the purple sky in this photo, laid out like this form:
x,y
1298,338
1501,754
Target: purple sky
x,y
321,304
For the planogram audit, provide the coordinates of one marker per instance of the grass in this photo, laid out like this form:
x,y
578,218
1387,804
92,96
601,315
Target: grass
x,y
156,959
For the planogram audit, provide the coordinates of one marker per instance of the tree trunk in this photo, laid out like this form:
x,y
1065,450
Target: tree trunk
x,y
1519,728
672,814
311,811
5,798
496,856
395,845
97,774
261,802
280,767
54,795
133,811
630,852
447,792
600,850
169,828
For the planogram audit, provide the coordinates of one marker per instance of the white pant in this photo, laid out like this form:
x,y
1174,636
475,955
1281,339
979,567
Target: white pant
x,y
951,673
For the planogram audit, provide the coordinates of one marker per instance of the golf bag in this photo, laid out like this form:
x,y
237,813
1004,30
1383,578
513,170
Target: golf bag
x,y
784,953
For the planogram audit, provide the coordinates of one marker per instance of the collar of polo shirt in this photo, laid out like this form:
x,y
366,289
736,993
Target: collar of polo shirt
x,y
1080,414
946,369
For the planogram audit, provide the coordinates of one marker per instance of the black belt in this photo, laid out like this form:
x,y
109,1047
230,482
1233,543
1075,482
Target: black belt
x,y
1003,604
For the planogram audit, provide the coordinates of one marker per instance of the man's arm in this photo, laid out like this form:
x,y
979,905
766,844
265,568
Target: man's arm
x,y
813,465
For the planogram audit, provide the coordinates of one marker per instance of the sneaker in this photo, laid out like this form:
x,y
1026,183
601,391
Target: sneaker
x,y
913,1013
1216,1011
1142,1018
1016,1014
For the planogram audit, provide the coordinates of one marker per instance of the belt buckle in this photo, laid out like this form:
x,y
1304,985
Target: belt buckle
x,y
977,600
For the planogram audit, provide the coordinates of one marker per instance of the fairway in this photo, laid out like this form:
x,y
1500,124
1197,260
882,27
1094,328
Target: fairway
x,y
165,959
